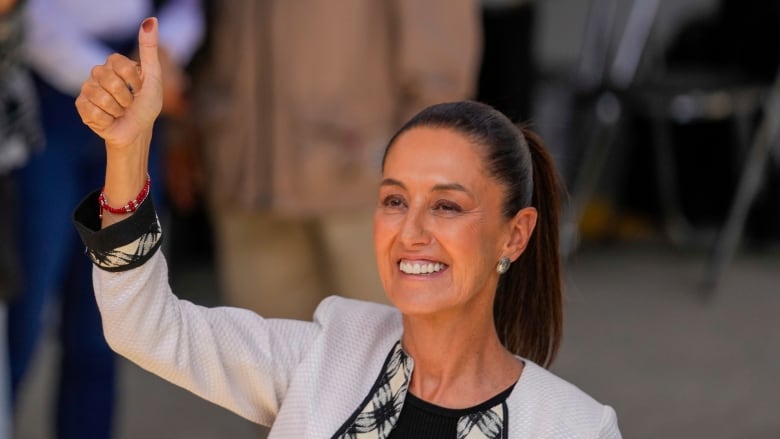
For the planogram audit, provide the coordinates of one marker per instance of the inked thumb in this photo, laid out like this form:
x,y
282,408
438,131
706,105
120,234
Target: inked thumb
x,y
147,48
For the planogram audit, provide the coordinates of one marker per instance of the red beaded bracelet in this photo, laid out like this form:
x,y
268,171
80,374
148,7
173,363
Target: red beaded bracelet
x,y
131,205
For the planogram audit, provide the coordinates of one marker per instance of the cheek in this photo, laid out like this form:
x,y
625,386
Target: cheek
x,y
380,229
383,238
384,230
460,233
475,244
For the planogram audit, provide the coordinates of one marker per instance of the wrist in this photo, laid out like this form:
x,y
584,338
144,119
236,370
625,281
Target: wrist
x,y
127,208
126,175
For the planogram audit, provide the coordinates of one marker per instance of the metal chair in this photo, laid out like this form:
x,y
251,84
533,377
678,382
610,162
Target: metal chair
x,y
765,143
608,63
617,86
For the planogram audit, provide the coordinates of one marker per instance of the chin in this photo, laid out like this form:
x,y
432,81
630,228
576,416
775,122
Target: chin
x,y
418,304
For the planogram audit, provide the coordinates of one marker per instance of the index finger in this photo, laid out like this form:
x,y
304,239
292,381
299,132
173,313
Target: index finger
x,y
128,70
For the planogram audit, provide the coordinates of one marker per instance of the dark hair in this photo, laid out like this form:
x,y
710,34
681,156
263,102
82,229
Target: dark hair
x,y
527,310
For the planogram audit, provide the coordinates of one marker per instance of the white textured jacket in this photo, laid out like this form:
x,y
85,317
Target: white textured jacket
x,y
314,379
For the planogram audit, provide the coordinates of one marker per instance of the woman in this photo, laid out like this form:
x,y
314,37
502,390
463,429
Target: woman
x,y
469,263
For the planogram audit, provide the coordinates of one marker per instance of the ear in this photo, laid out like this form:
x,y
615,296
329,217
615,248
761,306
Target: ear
x,y
521,228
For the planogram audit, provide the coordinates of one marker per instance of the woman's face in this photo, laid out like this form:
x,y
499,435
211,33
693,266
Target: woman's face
x,y
438,227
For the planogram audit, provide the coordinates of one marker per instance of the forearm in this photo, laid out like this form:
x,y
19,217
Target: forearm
x,y
126,174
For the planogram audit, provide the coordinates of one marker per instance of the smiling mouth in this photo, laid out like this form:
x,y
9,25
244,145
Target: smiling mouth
x,y
421,267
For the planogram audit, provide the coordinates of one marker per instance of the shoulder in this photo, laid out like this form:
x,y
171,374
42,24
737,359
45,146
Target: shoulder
x,y
342,366
357,328
546,404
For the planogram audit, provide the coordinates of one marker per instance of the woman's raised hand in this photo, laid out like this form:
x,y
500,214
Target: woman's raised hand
x,y
119,102
121,99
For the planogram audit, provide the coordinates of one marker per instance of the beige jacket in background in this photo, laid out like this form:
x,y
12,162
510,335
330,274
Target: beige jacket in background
x,y
299,98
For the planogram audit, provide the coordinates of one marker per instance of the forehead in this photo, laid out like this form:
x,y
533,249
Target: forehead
x,y
427,149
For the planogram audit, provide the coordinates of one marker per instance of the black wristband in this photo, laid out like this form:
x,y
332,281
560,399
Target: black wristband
x,y
120,246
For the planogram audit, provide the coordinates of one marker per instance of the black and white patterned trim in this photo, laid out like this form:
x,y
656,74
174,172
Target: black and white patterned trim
x,y
379,412
487,424
128,254
381,409
121,246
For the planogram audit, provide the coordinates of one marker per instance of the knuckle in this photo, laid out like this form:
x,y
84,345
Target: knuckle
x,y
115,58
87,88
97,71
128,70
79,103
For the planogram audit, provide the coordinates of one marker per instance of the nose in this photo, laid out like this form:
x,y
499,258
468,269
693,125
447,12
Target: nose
x,y
415,229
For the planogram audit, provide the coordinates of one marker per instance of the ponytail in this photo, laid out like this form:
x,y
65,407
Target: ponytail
x,y
528,310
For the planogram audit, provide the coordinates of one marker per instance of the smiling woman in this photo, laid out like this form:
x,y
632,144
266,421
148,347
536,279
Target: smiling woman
x,y
479,171
466,244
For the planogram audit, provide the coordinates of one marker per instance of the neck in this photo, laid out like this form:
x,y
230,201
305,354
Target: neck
x,y
459,361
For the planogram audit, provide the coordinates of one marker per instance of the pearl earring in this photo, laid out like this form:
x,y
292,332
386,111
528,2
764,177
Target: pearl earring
x,y
503,265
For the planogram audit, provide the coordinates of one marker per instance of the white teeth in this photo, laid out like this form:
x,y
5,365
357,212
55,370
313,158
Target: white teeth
x,y
418,268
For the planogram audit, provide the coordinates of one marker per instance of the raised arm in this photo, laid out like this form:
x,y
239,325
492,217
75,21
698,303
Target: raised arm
x,y
120,102
229,356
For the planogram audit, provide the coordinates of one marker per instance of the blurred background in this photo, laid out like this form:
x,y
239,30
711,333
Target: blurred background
x,y
663,118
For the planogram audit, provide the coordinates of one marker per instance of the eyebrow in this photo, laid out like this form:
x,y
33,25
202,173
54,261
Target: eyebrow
x,y
436,188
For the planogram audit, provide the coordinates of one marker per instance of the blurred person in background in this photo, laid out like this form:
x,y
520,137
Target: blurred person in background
x,y
19,135
65,39
293,107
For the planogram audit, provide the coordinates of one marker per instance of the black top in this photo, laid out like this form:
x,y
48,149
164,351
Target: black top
x,y
421,419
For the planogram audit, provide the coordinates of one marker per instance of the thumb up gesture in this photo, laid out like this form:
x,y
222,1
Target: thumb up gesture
x,y
119,102
121,99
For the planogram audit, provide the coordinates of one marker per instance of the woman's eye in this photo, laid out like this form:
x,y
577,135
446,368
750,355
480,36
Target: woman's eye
x,y
393,201
447,206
